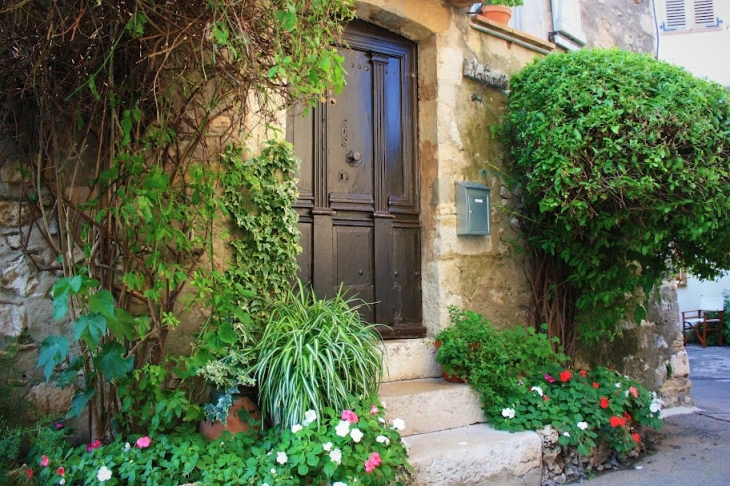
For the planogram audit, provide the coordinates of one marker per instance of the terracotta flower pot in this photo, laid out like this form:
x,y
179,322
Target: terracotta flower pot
x,y
496,13
234,424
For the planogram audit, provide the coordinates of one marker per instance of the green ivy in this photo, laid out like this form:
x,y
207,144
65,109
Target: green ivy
x,y
624,164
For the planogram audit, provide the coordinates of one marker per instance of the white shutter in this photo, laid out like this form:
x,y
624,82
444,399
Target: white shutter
x,y
676,15
704,13
567,20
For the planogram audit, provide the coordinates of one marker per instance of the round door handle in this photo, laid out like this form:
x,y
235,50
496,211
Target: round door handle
x,y
354,156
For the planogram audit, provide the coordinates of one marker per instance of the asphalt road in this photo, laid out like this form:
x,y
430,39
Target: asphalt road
x,y
692,449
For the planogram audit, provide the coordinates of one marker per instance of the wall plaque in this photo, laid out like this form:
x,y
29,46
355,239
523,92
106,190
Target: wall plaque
x,y
479,72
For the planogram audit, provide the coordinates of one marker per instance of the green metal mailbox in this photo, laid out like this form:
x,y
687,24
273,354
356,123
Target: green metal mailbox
x,y
473,211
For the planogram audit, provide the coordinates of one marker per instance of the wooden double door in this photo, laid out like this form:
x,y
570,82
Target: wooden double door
x,y
358,187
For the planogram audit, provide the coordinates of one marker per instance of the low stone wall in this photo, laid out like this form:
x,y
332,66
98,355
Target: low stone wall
x,y
651,351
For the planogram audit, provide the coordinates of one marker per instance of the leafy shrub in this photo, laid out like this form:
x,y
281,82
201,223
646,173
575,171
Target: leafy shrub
x,y
323,448
492,360
313,354
624,164
599,405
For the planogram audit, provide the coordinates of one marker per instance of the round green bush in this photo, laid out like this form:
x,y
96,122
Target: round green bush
x,y
624,164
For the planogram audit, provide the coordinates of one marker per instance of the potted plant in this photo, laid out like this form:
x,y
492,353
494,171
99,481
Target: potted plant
x,y
499,10
315,354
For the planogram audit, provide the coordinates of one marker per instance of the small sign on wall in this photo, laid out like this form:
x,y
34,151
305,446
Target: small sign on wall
x,y
484,74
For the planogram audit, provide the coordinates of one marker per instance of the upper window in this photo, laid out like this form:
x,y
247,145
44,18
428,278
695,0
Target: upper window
x,y
689,15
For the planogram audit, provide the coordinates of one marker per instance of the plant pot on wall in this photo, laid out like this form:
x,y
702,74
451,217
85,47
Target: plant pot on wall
x,y
243,406
496,13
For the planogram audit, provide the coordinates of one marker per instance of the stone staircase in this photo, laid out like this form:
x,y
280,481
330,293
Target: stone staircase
x,y
448,442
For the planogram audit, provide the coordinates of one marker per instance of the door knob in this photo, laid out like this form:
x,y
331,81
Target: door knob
x,y
353,157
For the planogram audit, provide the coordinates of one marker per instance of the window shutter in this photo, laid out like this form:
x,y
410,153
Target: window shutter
x,y
704,13
676,15
567,21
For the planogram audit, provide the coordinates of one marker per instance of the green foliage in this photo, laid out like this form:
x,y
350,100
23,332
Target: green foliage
x,y
259,194
506,3
587,408
313,354
624,166
492,360
308,454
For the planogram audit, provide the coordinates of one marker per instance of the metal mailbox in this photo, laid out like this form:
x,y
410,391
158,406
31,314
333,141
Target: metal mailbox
x,y
473,211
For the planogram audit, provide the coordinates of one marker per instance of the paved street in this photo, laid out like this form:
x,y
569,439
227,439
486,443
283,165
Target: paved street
x,y
694,448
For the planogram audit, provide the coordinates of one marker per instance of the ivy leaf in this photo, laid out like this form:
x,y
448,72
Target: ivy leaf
x,y
90,327
60,290
122,324
54,350
79,402
110,361
102,303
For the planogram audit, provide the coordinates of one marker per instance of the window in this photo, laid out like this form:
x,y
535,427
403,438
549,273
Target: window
x,y
689,15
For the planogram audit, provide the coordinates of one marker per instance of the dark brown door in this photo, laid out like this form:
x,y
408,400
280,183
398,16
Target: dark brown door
x,y
358,202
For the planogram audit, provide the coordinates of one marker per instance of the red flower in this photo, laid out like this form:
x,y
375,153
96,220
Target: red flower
x,y
617,421
565,376
29,473
604,402
636,437
143,442
549,378
60,471
583,373
634,392
94,445
545,398
595,385
627,416
44,461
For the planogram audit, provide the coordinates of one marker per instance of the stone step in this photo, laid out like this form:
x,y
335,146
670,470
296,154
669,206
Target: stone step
x,y
410,359
431,404
475,455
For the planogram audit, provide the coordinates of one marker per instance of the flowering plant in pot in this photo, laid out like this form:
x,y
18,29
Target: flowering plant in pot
x,y
499,10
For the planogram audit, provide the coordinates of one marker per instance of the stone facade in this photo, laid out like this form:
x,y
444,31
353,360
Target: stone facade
x,y
455,143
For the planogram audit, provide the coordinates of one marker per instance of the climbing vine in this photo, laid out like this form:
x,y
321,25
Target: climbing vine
x,y
624,163
120,111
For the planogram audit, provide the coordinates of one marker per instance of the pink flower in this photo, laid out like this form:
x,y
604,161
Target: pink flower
x,y
143,442
549,378
94,445
59,425
44,461
29,473
373,410
350,416
373,462
634,392
60,471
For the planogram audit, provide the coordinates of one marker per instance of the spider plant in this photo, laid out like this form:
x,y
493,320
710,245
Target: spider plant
x,y
315,353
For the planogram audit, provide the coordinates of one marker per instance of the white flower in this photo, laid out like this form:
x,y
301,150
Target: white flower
x,y
618,385
296,428
327,446
566,434
582,425
537,389
309,417
273,470
399,424
265,484
281,457
356,435
104,474
62,481
383,404
339,483
381,420
127,446
343,428
336,456
508,413
382,440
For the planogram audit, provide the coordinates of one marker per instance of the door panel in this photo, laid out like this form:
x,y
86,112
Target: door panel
x,y
358,205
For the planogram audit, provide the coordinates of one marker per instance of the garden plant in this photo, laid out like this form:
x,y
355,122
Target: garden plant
x,y
623,163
